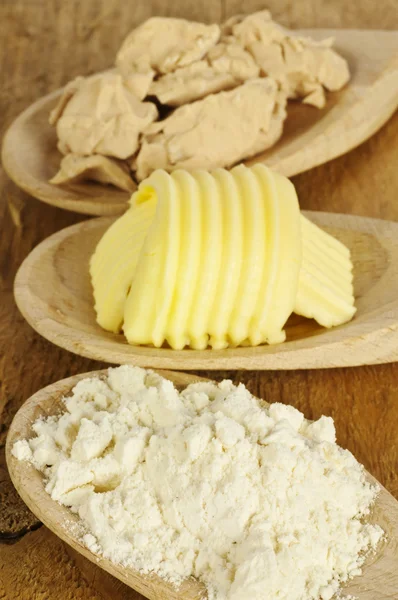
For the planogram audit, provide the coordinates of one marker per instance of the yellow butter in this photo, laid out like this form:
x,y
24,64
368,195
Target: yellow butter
x,y
231,258
209,268
254,242
325,292
284,249
229,274
115,260
152,287
189,265
217,259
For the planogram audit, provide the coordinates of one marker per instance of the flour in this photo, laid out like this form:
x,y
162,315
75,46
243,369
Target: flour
x,y
255,502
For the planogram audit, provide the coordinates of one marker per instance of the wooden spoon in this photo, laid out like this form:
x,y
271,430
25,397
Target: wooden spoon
x,y
53,292
380,573
311,136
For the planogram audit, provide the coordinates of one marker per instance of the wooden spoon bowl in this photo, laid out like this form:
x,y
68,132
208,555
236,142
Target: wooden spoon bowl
x,y
311,136
53,292
380,573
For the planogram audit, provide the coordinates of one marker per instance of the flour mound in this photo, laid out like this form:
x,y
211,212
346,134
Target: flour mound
x,y
255,502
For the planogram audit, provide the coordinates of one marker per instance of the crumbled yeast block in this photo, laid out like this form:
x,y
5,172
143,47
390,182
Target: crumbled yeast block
x,y
164,44
303,68
186,139
75,168
180,64
225,66
101,115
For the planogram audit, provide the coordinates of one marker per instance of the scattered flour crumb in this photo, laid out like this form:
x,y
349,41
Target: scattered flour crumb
x,y
255,502
21,450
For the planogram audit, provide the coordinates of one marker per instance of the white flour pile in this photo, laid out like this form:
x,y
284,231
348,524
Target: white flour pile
x,y
256,503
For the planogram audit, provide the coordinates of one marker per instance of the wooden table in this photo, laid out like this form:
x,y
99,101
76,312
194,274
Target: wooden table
x,y
44,43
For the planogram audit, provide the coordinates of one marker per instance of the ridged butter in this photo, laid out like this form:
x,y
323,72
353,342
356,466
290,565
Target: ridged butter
x,y
218,259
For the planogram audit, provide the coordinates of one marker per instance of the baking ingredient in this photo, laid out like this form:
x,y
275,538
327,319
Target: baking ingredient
x,y
139,83
191,83
211,132
162,45
303,67
228,86
75,168
220,263
170,288
100,115
115,260
252,500
219,258
325,290
225,66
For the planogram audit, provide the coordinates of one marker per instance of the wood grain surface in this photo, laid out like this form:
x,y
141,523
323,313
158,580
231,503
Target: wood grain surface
x,y
44,43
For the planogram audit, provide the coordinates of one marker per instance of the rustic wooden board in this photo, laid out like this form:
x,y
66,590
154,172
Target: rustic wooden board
x,y
53,292
380,574
311,137
48,42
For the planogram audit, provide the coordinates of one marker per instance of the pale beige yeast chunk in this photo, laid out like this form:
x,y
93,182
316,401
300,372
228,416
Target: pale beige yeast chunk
x,y
139,83
226,66
165,44
303,67
101,115
218,131
75,167
68,92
